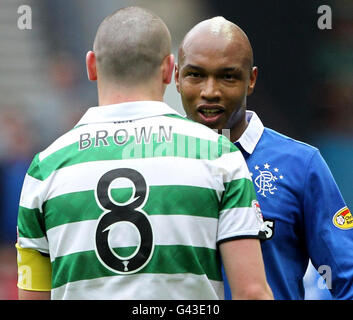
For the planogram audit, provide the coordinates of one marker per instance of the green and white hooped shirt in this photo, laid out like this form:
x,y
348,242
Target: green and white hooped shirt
x,y
131,203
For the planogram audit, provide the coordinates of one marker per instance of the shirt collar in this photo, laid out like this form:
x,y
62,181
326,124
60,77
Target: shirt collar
x,y
125,111
252,133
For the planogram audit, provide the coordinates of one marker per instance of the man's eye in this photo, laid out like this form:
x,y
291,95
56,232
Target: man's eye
x,y
229,77
193,74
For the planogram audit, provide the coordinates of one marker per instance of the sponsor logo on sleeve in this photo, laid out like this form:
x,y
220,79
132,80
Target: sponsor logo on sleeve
x,y
256,206
343,219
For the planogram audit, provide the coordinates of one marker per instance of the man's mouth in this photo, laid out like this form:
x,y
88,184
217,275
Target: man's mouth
x,y
210,113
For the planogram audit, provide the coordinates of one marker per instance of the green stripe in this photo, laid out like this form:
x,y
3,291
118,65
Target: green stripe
x,y
181,146
186,200
238,193
225,146
176,116
224,143
166,259
30,223
34,170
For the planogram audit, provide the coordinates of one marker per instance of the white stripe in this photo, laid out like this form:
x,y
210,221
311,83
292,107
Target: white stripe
x,y
196,231
179,126
126,111
183,286
232,166
40,244
161,171
184,127
238,222
62,142
31,194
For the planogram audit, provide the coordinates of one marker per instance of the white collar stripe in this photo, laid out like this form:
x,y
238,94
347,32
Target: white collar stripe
x,y
252,133
125,111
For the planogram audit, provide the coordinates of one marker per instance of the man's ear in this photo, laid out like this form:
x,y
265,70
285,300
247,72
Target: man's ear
x,y
176,77
253,78
167,68
91,66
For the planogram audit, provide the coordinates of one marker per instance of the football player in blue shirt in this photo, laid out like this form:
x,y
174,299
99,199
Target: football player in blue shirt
x,y
304,212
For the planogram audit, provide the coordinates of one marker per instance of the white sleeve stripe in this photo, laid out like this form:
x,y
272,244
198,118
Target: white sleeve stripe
x,y
39,244
237,222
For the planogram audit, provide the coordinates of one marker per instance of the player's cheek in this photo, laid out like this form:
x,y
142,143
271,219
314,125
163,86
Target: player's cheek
x,y
189,97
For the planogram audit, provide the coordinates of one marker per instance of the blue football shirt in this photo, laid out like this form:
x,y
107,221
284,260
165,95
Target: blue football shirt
x,y
304,213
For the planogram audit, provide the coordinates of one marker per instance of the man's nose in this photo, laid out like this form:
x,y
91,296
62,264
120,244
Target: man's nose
x,y
210,89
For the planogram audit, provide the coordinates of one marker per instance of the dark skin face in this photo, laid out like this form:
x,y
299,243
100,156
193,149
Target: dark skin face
x,y
214,77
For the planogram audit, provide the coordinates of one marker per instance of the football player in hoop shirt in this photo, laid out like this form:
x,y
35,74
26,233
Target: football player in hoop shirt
x,y
134,202
304,213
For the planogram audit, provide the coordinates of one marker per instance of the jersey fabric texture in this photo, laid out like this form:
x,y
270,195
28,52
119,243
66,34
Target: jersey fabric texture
x,y
301,206
132,202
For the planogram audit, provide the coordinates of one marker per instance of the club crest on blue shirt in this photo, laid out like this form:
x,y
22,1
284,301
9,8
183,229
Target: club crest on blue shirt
x,y
265,179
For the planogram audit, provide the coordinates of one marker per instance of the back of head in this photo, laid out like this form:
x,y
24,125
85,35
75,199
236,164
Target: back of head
x,y
130,45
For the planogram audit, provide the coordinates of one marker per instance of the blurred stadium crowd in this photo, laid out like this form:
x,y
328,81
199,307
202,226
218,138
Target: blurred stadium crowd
x,y
305,86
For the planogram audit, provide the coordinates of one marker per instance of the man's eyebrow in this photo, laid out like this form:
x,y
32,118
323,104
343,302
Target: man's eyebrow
x,y
235,71
226,69
232,69
191,66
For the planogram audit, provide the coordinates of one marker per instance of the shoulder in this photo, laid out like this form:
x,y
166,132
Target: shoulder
x,y
61,142
190,127
183,120
286,145
299,157
42,158
282,138
286,154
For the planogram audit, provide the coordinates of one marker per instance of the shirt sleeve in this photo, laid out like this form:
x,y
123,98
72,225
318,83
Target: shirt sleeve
x,y
240,215
30,222
328,229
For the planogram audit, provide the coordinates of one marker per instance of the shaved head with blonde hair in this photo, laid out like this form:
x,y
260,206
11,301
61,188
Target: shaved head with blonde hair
x,y
130,45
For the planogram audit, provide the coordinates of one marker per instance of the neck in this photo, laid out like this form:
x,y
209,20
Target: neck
x,y
108,95
237,130
237,124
